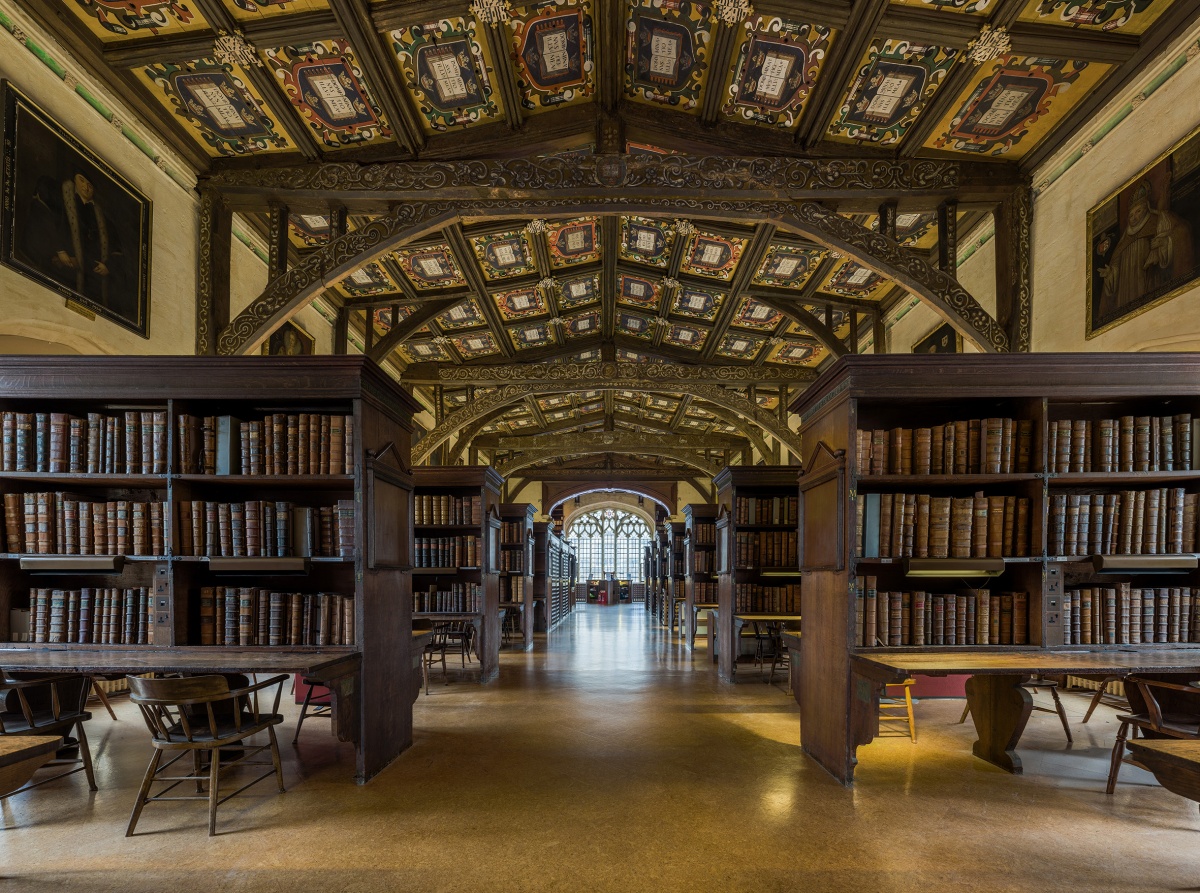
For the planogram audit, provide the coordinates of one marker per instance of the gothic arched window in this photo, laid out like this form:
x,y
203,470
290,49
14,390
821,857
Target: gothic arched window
x,y
609,541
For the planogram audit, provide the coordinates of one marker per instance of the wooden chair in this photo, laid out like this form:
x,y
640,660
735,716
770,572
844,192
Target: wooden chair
x,y
898,707
460,635
436,650
1159,709
49,705
318,705
781,657
1102,696
201,715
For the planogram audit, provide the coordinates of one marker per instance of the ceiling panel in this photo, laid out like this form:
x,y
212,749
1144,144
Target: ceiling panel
x,y
504,255
754,314
519,303
475,344
573,242
112,20
666,52
1125,16
776,64
738,346
258,10
969,7
787,266
851,280
798,352
646,241
713,255
462,316
532,334
578,291
685,336
553,48
638,291
581,325
430,267
697,303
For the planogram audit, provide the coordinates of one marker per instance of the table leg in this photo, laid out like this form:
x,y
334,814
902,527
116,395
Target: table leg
x,y
1000,709
344,705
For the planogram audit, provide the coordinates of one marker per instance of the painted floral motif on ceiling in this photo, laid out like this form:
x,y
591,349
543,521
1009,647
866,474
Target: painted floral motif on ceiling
x,y
475,344
740,347
895,81
646,241
573,242
852,280
1014,97
430,267
713,256
368,280
666,51
633,324
219,105
581,325
786,266
637,291
553,48
697,303
1127,16
462,316
504,255
325,84
688,337
532,334
118,19
754,314
777,63
578,292
448,71
519,302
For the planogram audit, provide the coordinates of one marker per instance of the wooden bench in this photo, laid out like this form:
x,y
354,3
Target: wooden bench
x,y
1176,764
23,755
1000,707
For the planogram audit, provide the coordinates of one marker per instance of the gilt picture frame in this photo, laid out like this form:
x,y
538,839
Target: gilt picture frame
x,y
71,222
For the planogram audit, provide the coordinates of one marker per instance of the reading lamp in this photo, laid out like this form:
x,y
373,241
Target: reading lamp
x,y
1143,564
72,564
953,567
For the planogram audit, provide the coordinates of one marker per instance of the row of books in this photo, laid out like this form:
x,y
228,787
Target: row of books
x,y
278,444
460,598
87,617
246,616
512,589
704,534
441,508
512,560
448,551
967,446
765,549
512,533
918,525
259,528
704,593
62,524
969,617
780,510
703,562
756,598
1128,443
1160,521
134,442
1122,615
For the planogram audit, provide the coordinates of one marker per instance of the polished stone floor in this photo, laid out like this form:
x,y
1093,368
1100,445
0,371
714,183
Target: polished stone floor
x,y
610,759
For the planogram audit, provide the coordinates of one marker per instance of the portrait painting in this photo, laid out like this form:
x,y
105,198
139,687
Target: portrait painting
x,y
943,339
70,221
1144,241
289,340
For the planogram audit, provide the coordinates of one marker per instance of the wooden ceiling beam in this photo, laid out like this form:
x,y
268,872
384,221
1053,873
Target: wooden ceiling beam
x,y
86,48
610,54
838,71
408,327
610,237
391,14
820,331
378,61
1177,20
462,248
722,41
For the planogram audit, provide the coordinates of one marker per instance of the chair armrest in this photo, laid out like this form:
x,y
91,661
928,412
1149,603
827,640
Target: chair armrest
x,y
1173,686
238,693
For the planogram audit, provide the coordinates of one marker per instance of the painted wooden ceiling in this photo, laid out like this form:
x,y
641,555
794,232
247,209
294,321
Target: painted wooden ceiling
x,y
993,79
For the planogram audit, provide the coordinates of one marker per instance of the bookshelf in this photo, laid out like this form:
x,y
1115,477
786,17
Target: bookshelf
x,y
1038,566
516,562
456,567
554,575
756,552
303,564
700,581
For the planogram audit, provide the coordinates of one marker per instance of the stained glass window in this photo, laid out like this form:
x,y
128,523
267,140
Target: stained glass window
x,y
609,541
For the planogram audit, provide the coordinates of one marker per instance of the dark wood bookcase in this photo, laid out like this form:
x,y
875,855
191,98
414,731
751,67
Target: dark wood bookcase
x,y
375,700
748,486
700,520
516,563
870,393
554,575
481,483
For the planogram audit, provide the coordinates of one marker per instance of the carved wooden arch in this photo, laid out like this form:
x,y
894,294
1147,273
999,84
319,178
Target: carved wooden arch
x,y
555,495
407,222
610,503
505,395
684,457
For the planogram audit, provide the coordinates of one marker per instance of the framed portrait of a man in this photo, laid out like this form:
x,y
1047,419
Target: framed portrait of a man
x,y
1144,240
289,340
71,222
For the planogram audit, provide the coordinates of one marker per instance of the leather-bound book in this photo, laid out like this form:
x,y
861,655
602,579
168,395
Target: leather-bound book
x,y
995,527
1125,439
348,441
961,511
1141,443
886,501
1084,533
337,445
895,619
246,615
922,451
237,528
293,443
920,540
879,451
1182,424
44,509
208,615
208,445
870,613
76,446
252,518
993,446
940,508
14,522
983,618
1162,615
1071,539
225,529
974,446
1105,459
1150,541
979,526
324,445
937,449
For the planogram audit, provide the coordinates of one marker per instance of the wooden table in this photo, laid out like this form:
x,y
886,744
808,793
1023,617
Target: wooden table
x,y
1175,763
476,619
696,609
740,621
1000,707
519,607
23,755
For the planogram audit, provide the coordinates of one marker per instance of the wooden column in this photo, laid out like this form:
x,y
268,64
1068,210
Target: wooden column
x,y
341,331
947,221
212,285
880,332
277,262
887,220
1014,293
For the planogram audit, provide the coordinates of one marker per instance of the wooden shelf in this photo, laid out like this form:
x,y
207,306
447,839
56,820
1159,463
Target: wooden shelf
x,y
945,480
45,479
281,481
1123,479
